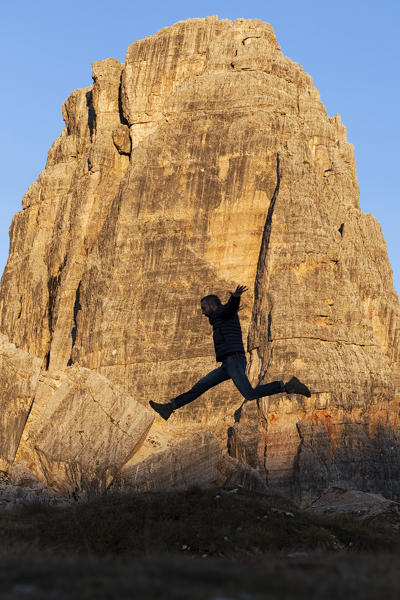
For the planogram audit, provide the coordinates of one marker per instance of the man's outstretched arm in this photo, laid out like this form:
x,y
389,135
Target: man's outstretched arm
x,y
239,291
232,306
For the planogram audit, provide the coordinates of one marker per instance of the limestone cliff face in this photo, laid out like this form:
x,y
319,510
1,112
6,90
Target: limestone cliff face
x,y
208,160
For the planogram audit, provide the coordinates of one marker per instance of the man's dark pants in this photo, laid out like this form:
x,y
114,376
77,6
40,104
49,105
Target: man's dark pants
x,y
233,367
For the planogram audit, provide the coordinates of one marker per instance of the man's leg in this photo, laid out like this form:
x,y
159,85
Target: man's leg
x,y
235,366
205,383
210,380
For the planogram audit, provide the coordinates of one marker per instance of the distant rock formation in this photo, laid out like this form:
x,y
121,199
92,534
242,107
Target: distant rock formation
x,y
205,161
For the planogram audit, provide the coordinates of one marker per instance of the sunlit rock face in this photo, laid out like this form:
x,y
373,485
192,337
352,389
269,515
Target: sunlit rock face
x,y
19,376
205,161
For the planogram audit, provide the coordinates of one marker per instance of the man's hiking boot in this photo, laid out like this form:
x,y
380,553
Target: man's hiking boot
x,y
164,410
294,386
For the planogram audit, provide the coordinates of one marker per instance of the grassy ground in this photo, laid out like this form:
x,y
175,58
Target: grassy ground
x,y
214,544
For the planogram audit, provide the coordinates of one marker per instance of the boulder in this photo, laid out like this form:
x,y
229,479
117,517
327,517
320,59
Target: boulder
x,y
19,375
354,503
234,473
82,429
192,461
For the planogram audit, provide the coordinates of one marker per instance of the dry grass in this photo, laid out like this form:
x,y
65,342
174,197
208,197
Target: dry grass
x,y
197,544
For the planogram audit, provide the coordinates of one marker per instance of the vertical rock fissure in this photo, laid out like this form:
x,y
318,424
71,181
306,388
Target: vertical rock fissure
x,y
296,477
264,433
120,106
74,330
267,230
91,115
269,326
258,289
53,284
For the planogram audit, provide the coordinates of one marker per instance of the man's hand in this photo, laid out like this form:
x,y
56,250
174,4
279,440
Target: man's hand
x,y
239,291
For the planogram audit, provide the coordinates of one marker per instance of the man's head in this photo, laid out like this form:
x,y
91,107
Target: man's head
x,y
209,304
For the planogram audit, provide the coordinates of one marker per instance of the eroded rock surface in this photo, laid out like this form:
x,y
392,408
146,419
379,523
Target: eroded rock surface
x,y
30,491
19,375
208,160
192,461
82,429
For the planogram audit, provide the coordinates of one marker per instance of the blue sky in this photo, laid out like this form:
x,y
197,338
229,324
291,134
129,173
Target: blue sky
x,y
350,48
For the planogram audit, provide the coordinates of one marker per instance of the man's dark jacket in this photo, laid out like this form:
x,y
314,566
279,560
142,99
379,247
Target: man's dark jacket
x,y
227,332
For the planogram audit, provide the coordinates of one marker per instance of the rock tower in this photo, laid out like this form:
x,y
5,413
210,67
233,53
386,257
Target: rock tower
x,y
205,161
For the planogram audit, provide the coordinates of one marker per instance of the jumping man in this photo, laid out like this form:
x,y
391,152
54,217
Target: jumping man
x,y
230,352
